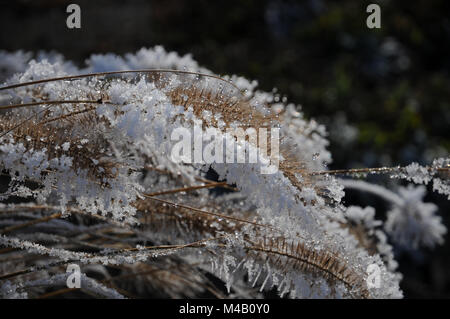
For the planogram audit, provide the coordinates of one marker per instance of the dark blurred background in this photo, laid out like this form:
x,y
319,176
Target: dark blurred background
x,y
384,94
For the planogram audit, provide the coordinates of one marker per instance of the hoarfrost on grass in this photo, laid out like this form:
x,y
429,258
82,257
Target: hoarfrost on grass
x,y
278,230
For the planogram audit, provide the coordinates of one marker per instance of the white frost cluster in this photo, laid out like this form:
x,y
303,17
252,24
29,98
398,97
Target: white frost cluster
x,y
415,223
97,166
410,221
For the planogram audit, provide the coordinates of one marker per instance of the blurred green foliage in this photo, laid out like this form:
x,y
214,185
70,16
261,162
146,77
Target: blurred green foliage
x,y
391,83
